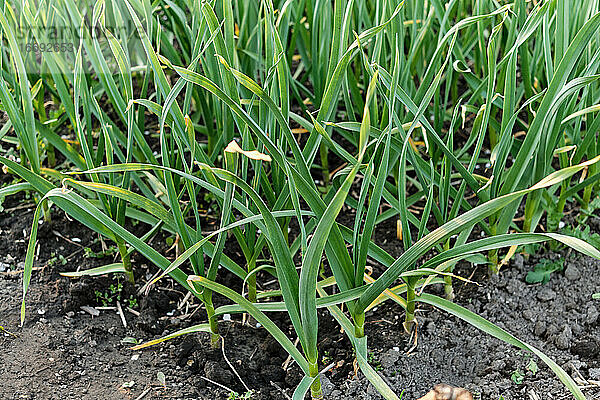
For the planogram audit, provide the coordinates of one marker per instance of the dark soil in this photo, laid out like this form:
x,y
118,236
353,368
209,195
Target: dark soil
x,y
62,352
558,318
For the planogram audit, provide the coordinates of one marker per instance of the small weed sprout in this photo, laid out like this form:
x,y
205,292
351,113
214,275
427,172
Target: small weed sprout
x,y
244,396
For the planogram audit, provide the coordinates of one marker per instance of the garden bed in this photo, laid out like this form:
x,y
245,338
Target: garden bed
x,y
64,352
260,175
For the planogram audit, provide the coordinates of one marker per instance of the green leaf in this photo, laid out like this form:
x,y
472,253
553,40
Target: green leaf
x,y
103,270
456,225
543,269
181,332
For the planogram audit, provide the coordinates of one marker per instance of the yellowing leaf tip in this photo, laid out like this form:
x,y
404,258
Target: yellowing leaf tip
x,y
234,147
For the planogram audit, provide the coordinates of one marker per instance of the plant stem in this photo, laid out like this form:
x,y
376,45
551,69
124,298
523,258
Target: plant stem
x,y
409,320
530,205
359,325
448,288
587,192
493,260
324,163
555,215
494,267
553,219
46,211
50,153
126,259
315,389
252,286
286,232
212,321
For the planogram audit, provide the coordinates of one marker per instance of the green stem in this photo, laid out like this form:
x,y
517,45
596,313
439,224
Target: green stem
x,y
212,321
359,325
324,163
126,259
494,266
555,214
51,155
46,211
409,320
315,389
448,288
530,205
587,192
286,231
587,195
555,217
252,282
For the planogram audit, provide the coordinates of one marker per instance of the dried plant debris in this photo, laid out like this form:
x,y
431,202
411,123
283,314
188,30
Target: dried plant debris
x,y
446,392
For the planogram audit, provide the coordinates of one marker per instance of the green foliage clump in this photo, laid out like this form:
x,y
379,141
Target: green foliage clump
x,y
543,269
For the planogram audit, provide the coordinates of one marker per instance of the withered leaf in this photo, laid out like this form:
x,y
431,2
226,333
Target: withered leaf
x,y
233,147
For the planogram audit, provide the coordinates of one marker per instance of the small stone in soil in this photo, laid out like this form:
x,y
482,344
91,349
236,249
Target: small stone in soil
x,y
389,358
216,373
529,315
587,349
498,365
592,315
540,328
572,273
546,294
563,341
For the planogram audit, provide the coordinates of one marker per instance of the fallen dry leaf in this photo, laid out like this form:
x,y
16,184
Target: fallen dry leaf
x,y
445,392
